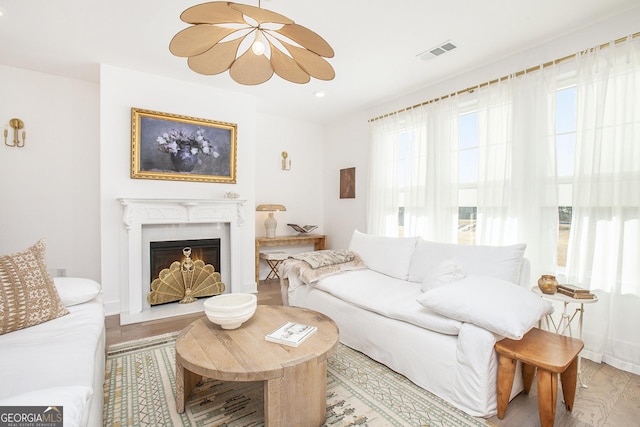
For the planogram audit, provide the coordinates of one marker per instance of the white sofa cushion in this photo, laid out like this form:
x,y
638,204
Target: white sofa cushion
x,y
387,296
61,352
502,262
76,290
496,305
386,255
447,271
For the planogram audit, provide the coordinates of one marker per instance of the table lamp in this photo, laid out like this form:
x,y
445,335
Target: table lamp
x,y
270,222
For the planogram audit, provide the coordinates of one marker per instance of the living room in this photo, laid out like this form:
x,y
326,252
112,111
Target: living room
x,y
65,184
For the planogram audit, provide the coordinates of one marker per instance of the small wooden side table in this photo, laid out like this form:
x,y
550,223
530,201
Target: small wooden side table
x,y
319,242
273,259
551,354
563,324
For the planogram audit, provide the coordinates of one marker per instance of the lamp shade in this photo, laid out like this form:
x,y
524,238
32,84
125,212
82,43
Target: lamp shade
x,y
270,208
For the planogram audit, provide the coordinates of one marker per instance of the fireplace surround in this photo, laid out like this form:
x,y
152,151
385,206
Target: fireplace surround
x,y
146,219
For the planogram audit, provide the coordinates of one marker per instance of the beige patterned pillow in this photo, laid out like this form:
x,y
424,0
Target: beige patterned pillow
x,y
27,293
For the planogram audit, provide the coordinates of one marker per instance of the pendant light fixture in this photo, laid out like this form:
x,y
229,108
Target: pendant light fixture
x,y
252,43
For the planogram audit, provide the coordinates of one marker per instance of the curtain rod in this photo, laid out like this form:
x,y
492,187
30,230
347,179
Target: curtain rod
x,y
519,73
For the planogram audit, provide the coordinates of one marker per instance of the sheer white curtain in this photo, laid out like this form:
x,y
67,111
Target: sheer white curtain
x,y
517,180
604,246
411,166
383,197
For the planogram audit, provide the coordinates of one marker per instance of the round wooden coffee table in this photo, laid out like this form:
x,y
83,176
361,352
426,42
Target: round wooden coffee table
x,y
295,378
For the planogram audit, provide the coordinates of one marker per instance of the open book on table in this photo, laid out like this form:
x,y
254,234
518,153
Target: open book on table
x,y
303,229
291,333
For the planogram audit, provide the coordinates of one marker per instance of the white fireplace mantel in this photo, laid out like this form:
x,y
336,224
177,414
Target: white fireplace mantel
x,y
141,212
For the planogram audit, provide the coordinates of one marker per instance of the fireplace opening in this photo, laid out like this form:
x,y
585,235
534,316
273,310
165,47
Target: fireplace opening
x,y
164,253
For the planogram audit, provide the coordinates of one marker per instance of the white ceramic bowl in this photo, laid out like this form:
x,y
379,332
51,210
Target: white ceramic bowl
x,y
230,310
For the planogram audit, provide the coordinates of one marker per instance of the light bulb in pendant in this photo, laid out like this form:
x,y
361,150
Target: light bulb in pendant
x,y
258,45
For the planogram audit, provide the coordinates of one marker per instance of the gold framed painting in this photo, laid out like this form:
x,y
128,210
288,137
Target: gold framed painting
x,y
180,148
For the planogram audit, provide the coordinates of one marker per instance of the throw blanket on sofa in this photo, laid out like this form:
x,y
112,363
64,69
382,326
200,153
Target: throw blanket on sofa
x,y
313,266
317,259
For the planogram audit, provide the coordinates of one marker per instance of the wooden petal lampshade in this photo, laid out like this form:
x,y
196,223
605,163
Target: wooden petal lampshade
x,y
214,44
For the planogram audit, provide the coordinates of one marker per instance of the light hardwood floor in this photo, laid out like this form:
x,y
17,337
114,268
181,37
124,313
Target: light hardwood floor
x,y
612,398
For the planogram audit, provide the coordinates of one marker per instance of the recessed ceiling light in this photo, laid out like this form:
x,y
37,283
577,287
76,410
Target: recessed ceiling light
x,y
319,94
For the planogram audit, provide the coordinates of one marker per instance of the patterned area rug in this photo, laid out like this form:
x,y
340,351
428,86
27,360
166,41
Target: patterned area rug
x,y
139,391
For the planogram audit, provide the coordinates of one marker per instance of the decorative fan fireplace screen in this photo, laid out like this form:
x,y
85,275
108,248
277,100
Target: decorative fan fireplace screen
x,y
188,278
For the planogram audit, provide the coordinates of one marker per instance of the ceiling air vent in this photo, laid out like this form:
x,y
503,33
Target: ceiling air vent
x,y
437,50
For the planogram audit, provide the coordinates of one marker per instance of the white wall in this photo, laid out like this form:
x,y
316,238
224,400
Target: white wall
x,y
346,145
120,90
50,188
78,153
300,189
346,142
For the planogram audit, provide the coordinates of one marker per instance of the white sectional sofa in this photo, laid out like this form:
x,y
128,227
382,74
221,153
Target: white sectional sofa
x,y
60,360
431,311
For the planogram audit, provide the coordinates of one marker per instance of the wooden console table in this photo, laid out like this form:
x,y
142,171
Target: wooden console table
x,y
319,242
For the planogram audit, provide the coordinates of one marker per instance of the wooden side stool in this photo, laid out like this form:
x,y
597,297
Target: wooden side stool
x,y
551,354
273,259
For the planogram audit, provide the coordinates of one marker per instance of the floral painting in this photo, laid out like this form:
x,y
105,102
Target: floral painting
x,y
174,147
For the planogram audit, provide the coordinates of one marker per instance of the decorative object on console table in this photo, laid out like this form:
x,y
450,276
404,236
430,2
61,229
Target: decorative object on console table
x,y
291,334
270,222
548,284
303,229
180,148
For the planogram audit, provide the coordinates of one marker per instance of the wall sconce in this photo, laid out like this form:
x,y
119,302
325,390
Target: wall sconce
x,y
16,124
284,161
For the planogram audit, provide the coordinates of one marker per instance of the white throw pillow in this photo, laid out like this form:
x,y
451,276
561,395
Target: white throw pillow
x,y
447,271
76,290
503,262
386,255
72,399
496,305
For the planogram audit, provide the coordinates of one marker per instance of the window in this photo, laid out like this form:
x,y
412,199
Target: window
x,y
404,168
468,138
565,135
467,225
468,151
467,154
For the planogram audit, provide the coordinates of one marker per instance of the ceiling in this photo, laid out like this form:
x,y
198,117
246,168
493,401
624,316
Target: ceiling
x,y
376,42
